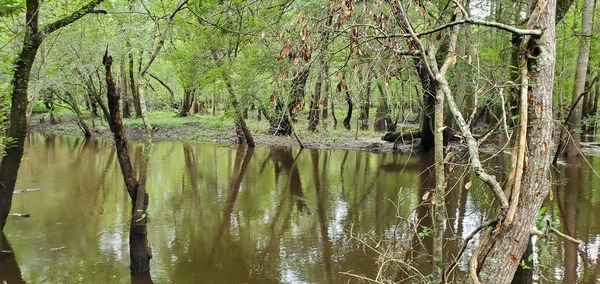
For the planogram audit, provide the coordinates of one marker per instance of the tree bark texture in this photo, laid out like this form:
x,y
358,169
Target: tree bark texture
x,y
501,247
428,109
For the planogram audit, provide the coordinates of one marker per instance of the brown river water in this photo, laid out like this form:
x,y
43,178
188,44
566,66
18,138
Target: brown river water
x,y
223,214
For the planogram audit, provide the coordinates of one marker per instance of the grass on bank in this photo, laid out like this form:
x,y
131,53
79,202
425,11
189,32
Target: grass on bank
x,y
209,127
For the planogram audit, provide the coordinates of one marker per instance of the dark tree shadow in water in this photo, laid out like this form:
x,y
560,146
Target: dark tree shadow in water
x,y
242,160
10,272
141,278
321,214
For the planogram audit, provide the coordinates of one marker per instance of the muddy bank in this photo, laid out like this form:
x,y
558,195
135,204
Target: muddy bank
x,y
198,128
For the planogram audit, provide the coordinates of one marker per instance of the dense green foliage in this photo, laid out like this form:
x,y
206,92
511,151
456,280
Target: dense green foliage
x,y
260,45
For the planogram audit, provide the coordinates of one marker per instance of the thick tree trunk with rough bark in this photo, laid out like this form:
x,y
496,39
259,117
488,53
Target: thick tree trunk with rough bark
x,y
501,247
427,111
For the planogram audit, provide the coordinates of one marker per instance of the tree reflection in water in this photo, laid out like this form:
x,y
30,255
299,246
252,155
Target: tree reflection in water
x,y
10,272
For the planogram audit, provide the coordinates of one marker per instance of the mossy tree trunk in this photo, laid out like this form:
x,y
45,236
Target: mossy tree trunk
x,y
15,142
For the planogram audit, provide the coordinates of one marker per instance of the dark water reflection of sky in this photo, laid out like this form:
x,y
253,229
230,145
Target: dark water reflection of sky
x,y
221,214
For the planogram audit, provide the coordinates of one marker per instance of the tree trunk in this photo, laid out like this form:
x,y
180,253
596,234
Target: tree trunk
x,y
123,80
439,207
501,247
427,111
344,86
241,128
382,110
132,85
573,143
15,142
281,121
138,243
18,112
186,104
365,97
315,105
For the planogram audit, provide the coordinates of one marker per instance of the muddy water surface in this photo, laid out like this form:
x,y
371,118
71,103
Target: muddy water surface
x,y
223,214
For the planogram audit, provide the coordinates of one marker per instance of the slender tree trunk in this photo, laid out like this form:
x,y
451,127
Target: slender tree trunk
x,y
315,106
439,206
343,86
132,85
573,143
139,251
365,97
316,112
382,110
124,87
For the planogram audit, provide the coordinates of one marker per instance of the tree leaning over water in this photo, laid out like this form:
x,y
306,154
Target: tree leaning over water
x,y
15,142
139,251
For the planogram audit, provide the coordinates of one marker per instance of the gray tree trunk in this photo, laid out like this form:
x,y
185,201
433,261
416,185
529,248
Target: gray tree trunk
x,y
501,247
574,125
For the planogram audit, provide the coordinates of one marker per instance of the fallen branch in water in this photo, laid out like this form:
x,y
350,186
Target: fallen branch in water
x,y
25,190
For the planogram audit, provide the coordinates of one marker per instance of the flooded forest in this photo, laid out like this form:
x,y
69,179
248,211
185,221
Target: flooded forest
x,y
286,141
